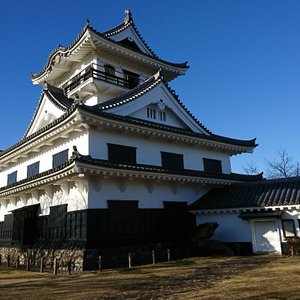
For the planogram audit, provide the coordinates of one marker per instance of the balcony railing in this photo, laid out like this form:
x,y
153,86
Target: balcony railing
x,y
108,75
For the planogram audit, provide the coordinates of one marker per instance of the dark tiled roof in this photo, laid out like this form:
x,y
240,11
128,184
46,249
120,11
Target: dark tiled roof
x,y
130,95
56,96
65,51
167,128
146,86
134,167
40,175
131,120
266,193
40,131
158,169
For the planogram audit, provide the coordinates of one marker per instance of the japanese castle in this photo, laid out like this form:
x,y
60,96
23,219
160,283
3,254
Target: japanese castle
x,y
112,158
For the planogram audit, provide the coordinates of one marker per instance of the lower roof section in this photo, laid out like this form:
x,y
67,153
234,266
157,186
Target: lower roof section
x,y
261,194
79,166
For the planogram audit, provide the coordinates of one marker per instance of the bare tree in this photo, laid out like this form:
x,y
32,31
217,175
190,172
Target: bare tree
x,y
250,168
282,166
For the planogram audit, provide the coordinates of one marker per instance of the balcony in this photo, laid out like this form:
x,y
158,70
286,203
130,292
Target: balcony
x,y
106,74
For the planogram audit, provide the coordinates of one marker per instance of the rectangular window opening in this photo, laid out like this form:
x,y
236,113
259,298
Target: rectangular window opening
x,y
288,227
212,165
12,178
60,158
172,160
33,169
121,154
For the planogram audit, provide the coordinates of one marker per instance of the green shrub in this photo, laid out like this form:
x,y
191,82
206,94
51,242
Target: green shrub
x,y
202,234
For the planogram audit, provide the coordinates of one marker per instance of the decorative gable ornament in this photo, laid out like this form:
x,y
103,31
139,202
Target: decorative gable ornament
x,y
161,104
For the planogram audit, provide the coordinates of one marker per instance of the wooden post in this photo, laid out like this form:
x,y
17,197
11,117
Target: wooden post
x,y
42,265
8,260
129,260
168,254
27,263
18,262
100,263
153,257
55,266
69,266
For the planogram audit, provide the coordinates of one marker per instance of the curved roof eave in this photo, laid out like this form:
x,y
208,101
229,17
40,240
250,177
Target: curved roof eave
x,y
81,164
63,52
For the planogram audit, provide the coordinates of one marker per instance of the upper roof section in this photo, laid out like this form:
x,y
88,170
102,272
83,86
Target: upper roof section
x,y
123,40
127,34
265,193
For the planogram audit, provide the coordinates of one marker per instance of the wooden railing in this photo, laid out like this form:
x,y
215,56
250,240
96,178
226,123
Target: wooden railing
x,y
100,73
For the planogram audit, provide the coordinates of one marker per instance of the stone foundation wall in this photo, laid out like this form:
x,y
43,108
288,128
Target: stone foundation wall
x,y
63,257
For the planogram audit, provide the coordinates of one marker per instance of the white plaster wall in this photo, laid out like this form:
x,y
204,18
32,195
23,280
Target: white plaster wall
x,y
5,210
149,194
45,158
148,150
231,228
75,198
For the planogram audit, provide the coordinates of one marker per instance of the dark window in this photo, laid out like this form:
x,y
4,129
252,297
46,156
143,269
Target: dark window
x,y
131,78
109,70
33,169
12,178
288,228
60,158
172,160
121,154
212,165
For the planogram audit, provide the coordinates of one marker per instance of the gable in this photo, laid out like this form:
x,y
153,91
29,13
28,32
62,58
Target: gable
x,y
158,105
46,112
130,38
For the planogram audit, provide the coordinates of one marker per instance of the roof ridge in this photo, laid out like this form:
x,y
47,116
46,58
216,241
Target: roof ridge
x,y
128,21
172,91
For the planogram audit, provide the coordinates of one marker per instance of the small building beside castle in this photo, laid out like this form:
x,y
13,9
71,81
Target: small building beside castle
x,y
112,158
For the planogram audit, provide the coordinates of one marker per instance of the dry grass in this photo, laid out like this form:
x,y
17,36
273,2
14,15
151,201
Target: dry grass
x,y
257,277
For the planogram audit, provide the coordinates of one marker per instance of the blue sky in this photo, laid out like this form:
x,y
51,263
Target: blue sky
x,y
244,59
